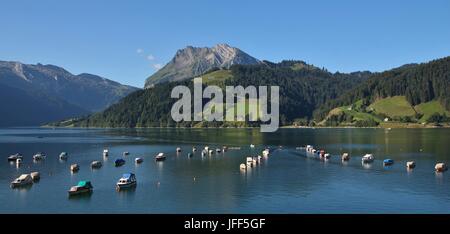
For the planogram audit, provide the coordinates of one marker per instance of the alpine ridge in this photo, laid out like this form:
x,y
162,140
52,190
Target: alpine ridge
x,y
194,61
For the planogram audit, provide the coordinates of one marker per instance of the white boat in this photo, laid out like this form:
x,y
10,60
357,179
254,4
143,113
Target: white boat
x,y
105,152
96,164
243,166
440,167
39,156
309,148
178,149
18,161
368,158
35,176
224,148
410,164
22,180
63,156
206,148
327,156
160,157
128,180
204,152
14,157
211,152
138,160
252,146
266,152
249,161
194,149
345,157
218,150
74,167
126,153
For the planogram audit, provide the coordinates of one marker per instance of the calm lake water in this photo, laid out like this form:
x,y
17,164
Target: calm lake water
x,y
286,182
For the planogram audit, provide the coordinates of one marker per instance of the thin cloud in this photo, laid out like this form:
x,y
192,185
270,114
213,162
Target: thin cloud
x,y
150,57
139,51
157,66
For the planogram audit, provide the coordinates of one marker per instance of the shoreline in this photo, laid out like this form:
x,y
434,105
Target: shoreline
x,y
387,126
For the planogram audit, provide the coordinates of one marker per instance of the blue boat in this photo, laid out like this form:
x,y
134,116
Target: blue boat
x,y
388,162
128,180
119,162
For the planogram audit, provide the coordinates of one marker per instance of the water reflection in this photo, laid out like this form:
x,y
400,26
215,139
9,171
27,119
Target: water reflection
x,y
366,165
81,197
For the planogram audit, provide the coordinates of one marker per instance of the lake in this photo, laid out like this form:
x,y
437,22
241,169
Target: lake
x,y
286,182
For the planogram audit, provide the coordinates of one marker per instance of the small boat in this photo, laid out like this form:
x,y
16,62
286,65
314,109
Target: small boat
x,y
18,161
178,149
266,152
321,153
368,158
22,180
63,156
410,164
326,156
252,146
388,162
211,152
105,152
126,153
255,161
39,156
243,166
128,180
74,167
194,149
249,161
119,162
224,148
14,157
82,187
309,148
204,152
206,148
138,160
345,157
218,150
96,164
160,157
190,155
440,167
35,176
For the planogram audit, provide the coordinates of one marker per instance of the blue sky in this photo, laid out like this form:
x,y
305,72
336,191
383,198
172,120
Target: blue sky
x,y
127,40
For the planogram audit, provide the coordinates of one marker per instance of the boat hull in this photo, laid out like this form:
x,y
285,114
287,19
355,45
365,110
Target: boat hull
x,y
21,185
79,192
126,186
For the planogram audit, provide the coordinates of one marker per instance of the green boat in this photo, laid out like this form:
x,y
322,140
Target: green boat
x,y
82,187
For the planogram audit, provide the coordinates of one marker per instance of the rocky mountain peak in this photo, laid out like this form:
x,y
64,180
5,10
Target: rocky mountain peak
x,y
194,61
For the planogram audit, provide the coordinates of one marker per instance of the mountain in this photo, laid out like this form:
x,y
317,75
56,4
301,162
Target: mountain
x,y
90,92
410,93
194,61
303,88
47,93
25,108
